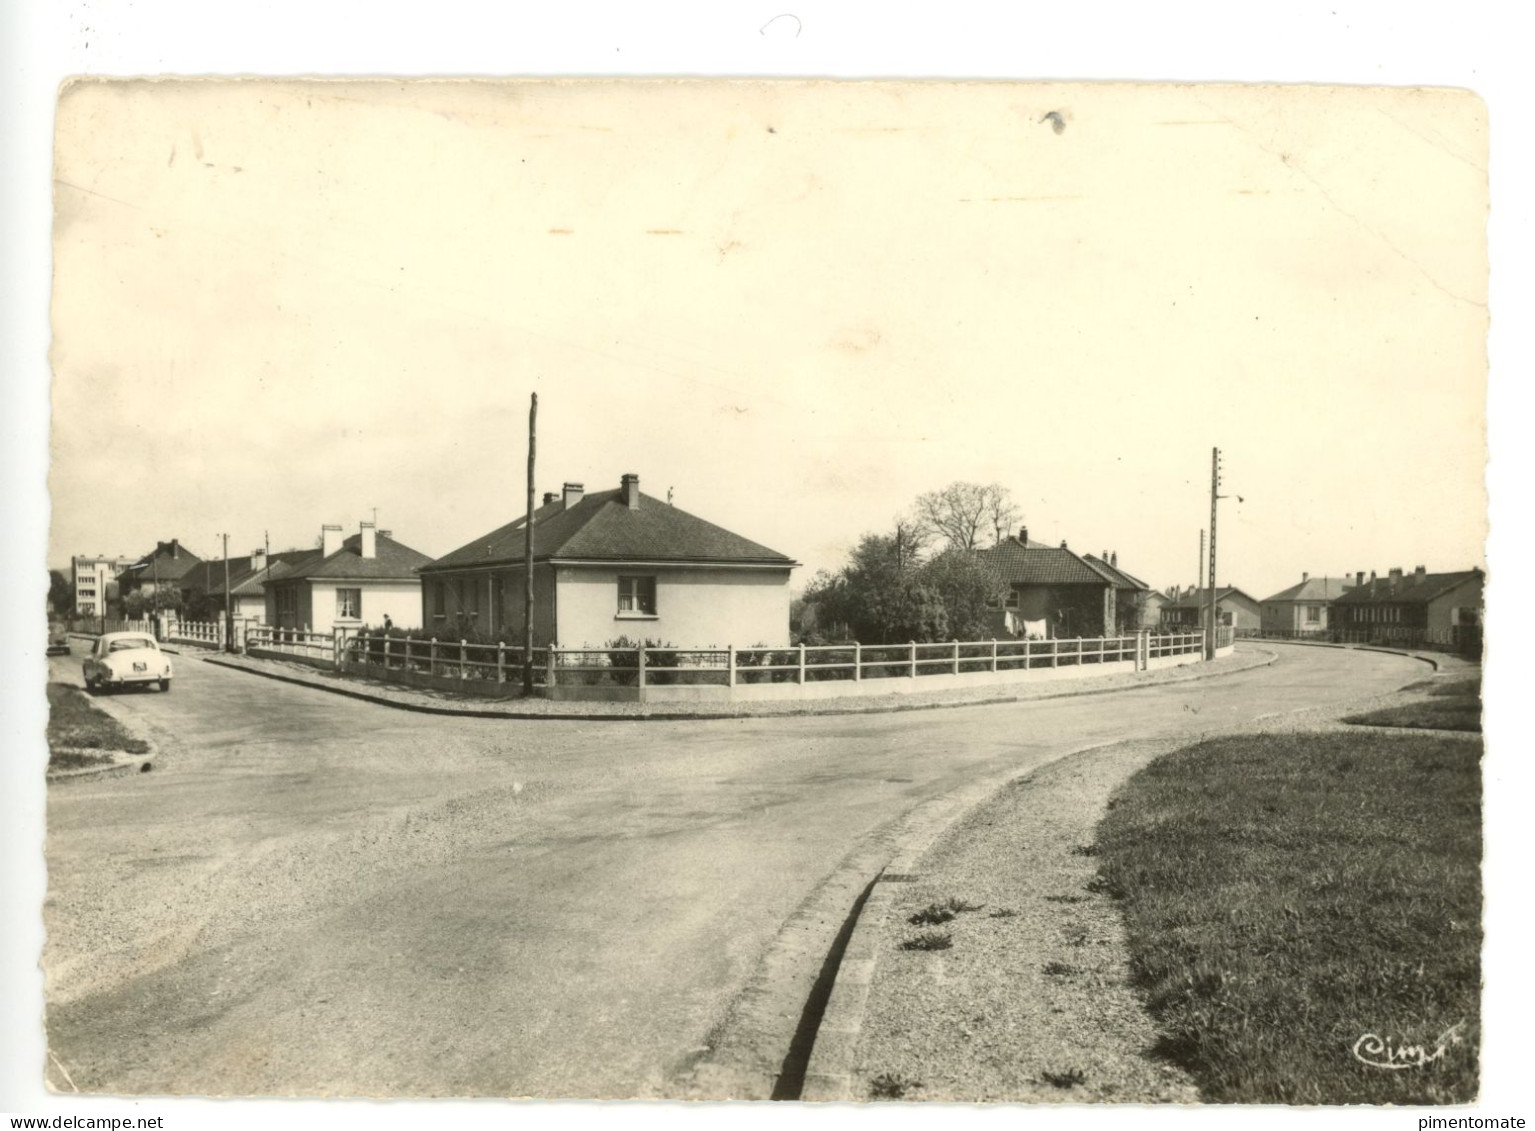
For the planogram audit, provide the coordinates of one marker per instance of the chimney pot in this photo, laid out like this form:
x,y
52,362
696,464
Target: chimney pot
x,y
574,491
630,491
549,497
1063,543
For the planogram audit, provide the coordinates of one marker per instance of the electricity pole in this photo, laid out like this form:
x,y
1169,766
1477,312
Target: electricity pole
x,y
527,558
1215,486
229,615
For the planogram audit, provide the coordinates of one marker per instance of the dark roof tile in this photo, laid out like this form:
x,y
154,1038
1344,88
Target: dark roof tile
x,y
600,527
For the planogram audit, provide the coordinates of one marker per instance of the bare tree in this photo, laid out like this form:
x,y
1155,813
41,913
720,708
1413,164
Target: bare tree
x,y
961,512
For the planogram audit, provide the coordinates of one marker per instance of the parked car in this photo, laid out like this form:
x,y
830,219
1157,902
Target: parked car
x,y
126,659
58,640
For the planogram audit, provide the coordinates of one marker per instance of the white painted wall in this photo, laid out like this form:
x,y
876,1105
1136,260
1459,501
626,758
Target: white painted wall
x,y
695,608
400,599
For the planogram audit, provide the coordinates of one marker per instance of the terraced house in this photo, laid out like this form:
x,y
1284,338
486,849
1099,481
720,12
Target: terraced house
x,y
1417,607
612,564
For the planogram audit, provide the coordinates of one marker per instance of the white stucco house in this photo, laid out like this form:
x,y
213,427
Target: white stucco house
x,y
347,583
613,564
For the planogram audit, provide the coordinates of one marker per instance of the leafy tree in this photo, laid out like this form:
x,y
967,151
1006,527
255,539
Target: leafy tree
x,y
61,594
880,596
962,513
967,584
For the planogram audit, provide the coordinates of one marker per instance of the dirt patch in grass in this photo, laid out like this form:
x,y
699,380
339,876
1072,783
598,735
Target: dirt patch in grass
x,y
76,728
1291,899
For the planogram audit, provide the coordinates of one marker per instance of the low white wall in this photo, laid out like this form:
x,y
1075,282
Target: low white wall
x,y
896,685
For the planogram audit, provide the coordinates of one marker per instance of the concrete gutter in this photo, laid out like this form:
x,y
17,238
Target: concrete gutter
x,y
407,700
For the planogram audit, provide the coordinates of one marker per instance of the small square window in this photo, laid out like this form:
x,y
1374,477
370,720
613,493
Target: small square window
x,y
637,595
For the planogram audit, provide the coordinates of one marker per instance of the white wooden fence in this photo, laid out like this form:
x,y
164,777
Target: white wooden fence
x,y
641,667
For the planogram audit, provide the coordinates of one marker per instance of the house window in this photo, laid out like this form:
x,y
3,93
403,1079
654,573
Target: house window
x,y
1313,614
439,599
348,604
1012,598
637,596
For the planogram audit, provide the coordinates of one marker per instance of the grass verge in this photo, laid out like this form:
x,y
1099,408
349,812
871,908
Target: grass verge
x,y
76,725
1295,902
1451,705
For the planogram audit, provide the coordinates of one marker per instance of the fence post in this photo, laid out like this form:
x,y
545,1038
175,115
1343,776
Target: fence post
x,y
857,661
801,678
550,660
463,658
994,653
955,666
431,657
913,659
1055,651
501,661
730,665
640,661
337,640
386,653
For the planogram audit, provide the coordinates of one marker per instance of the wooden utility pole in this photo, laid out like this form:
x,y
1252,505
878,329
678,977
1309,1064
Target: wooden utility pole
x,y
527,557
1215,486
229,615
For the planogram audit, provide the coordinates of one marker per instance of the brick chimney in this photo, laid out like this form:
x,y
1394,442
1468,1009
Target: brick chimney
x,y
549,497
574,491
258,560
1114,558
1396,577
330,539
1359,580
1304,576
1023,535
368,544
1419,574
629,491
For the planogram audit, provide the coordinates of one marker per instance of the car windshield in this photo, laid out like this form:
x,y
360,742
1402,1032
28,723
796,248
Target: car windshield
x,y
130,644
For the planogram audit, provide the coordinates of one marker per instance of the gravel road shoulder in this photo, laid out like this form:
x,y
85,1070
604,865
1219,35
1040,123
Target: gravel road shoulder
x,y
1031,1001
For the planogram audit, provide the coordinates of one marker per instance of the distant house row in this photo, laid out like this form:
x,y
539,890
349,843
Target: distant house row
x,y
606,564
1438,604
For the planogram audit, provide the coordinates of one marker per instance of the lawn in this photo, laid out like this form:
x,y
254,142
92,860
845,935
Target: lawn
x,y
1451,705
1288,896
75,725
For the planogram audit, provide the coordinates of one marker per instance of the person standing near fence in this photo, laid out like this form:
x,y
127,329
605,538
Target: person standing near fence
x,y
388,624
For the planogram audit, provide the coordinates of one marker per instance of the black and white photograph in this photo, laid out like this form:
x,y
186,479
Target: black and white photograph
x,y
879,591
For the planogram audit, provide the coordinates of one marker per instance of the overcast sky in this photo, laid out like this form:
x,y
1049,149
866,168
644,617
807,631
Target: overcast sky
x,y
795,305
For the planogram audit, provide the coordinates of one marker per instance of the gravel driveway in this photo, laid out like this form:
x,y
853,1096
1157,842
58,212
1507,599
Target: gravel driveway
x,y
312,895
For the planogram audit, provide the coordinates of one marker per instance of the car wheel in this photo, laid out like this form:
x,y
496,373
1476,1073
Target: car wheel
x,y
165,685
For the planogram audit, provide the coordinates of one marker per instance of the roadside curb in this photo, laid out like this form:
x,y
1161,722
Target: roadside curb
x,y
1433,661
1263,659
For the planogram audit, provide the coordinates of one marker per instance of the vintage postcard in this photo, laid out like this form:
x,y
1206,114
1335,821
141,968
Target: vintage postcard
x,y
806,590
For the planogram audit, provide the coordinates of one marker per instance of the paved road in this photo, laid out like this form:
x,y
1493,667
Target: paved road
x,y
314,895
